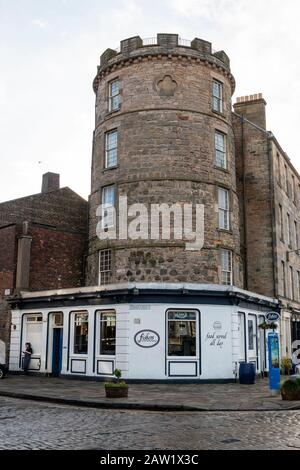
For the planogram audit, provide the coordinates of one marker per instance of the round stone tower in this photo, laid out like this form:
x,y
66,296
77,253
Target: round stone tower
x,y
163,135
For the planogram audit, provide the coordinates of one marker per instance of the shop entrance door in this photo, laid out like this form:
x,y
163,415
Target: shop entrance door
x,y
57,351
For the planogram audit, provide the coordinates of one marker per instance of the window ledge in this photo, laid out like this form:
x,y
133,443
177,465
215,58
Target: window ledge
x,y
114,111
104,170
225,170
219,113
224,230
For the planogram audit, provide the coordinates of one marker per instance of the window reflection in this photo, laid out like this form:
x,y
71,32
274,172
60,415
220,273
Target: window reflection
x,y
182,334
108,333
81,327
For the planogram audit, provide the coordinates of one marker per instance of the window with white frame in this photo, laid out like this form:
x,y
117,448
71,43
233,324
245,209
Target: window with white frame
x,y
281,223
107,333
217,96
286,179
33,332
293,195
291,283
296,239
288,229
278,170
226,267
114,95
223,201
81,330
108,206
111,148
182,333
105,264
220,150
283,280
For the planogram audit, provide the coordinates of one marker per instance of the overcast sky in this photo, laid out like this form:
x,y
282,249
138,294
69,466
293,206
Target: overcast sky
x,y
50,49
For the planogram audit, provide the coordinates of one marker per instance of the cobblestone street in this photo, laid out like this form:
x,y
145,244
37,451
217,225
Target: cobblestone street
x,y
31,425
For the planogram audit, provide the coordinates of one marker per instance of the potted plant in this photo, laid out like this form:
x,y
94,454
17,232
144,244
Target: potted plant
x,y
290,390
117,388
286,365
268,326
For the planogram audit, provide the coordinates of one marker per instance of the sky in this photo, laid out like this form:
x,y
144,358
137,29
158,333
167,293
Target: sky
x,y
50,49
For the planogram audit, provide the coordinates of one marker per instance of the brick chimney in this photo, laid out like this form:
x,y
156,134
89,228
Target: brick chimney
x,y
253,108
50,182
23,260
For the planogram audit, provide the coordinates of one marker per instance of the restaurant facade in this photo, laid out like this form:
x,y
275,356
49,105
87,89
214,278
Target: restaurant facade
x,y
152,332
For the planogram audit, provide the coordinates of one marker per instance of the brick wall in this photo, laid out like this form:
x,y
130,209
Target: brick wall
x,y
56,258
62,209
7,274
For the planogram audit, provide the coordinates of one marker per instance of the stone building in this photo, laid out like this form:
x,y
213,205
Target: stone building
x,y
269,194
42,244
165,133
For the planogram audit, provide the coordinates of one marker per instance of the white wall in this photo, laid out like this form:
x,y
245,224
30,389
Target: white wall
x,y
219,341
2,352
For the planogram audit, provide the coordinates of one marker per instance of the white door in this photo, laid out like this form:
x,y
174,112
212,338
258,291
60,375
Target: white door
x,y
252,338
241,323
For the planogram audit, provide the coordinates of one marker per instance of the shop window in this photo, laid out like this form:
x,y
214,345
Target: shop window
x,y
250,334
34,325
108,333
81,328
182,331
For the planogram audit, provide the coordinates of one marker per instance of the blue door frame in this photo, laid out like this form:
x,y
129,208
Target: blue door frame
x,y
57,351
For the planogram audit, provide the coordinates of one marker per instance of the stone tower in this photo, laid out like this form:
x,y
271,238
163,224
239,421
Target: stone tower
x,y
163,134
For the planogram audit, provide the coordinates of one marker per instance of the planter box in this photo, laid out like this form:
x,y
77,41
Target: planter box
x,y
291,396
116,392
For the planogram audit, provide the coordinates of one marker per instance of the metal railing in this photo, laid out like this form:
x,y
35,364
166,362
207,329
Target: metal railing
x,y
150,41
153,42
184,42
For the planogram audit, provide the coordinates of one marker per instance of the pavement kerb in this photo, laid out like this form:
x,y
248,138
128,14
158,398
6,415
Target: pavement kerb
x,y
137,406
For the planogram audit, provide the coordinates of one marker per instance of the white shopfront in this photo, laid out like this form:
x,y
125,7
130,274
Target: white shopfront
x,y
149,331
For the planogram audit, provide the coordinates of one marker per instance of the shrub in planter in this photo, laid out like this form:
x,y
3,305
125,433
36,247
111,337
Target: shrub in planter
x,y
286,365
290,390
117,388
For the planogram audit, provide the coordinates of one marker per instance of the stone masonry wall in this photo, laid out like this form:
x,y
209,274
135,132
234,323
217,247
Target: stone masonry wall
x,y
166,130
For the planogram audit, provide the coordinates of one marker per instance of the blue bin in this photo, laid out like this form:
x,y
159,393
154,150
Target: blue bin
x,y
247,373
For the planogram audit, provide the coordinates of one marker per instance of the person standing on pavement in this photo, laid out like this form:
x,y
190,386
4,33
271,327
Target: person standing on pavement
x,y
27,357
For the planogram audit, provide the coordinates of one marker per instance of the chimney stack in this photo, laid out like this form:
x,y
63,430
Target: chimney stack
x,y
253,108
50,182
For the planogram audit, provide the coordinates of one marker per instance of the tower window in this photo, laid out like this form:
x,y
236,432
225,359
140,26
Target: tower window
x,y
114,95
108,206
226,267
217,96
111,148
104,267
220,149
223,196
